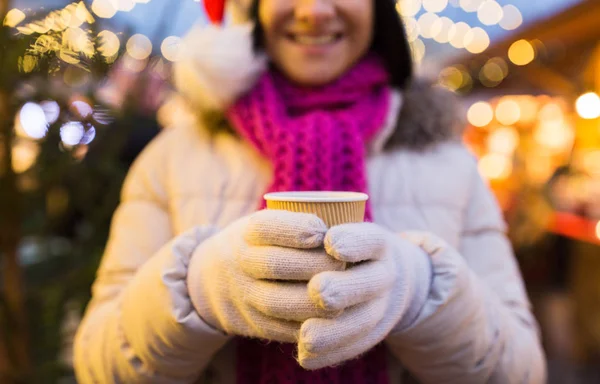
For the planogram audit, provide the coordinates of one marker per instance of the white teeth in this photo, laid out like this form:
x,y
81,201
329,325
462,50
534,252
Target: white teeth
x,y
314,40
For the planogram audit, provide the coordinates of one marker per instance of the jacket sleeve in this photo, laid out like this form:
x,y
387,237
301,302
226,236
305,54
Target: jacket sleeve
x,y
476,325
140,326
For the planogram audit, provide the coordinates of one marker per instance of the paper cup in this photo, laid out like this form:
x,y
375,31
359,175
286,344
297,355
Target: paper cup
x,y
333,207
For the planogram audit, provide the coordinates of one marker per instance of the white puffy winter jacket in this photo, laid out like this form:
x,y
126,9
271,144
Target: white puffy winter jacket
x,y
140,327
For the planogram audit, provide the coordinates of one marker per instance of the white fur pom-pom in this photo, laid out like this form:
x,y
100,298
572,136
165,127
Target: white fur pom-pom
x,y
218,65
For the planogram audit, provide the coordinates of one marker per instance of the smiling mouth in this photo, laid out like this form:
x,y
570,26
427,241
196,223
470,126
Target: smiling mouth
x,y
315,40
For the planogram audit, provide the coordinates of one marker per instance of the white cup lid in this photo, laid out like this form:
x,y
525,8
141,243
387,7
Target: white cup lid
x,y
317,196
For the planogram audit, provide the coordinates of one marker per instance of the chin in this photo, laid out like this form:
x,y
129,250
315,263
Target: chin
x,y
313,76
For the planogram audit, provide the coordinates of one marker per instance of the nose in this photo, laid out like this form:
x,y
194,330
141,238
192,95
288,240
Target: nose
x,y
314,12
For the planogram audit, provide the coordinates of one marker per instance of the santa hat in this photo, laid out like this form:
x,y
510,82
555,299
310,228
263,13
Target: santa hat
x,y
215,10
218,63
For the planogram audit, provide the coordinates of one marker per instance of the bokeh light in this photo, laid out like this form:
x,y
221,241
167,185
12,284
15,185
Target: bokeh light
x,y
408,8
104,8
33,120
495,166
89,135
51,110
457,34
511,17
82,108
591,162
521,52
476,40
82,13
426,22
139,46
108,43
508,111
503,140
172,48
24,154
555,135
435,6
588,105
441,29
470,5
125,5
480,114
528,105
418,50
551,111
72,132
13,18
411,27
489,13
493,72
451,78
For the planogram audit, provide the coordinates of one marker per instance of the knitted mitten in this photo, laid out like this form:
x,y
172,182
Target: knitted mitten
x,y
251,278
383,288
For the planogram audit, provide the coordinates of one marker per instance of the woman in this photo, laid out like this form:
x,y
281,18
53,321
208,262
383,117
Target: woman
x,y
196,284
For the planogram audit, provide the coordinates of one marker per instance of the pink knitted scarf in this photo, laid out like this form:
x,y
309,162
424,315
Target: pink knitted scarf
x,y
315,139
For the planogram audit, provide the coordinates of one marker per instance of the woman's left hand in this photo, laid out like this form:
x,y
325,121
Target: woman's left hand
x,y
383,288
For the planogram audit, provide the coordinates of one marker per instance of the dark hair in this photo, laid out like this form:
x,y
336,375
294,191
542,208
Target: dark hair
x,y
389,41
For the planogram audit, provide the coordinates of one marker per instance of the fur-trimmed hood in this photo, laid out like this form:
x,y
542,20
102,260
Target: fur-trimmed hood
x,y
219,65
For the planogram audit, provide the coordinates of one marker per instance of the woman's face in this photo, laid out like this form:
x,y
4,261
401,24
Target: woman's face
x,y
315,41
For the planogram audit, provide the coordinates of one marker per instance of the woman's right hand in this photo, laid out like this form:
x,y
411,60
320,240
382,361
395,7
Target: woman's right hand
x,y
251,278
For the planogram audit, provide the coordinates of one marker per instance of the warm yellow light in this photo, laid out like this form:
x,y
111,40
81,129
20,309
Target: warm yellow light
x,y
588,105
408,8
491,74
508,112
539,166
171,48
521,52
501,64
77,40
125,5
591,162
426,22
24,154
598,229
418,50
134,65
476,40
82,13
551,112
56,22
108,43
457,34
411,27
529,109
435,6
512,18
554,134
13,18
470,5
480,114
451,78
66,17
139,47
489,13
495,166
441,29
503,140
104,8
